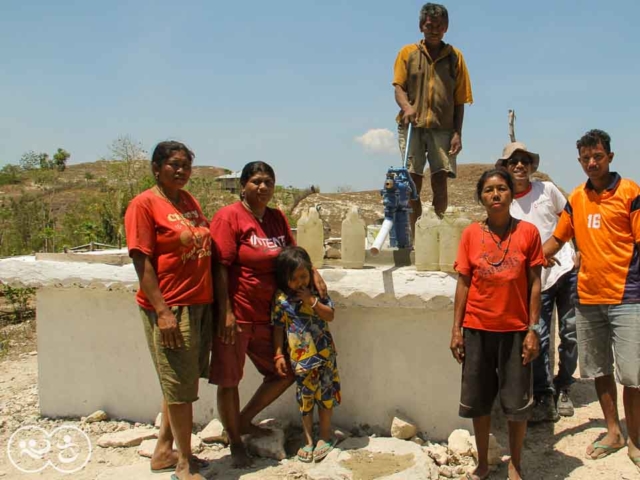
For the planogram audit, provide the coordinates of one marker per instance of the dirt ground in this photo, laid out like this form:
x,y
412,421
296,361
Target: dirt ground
x,y
552,451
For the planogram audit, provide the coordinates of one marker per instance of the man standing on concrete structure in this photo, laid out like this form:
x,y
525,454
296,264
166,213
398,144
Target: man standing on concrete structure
x,y
541,203
604,217
431,85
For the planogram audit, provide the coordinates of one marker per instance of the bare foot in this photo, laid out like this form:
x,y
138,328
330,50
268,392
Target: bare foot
x,y
602,448
169,461
514,472
163,460
186,472
239,456
478,474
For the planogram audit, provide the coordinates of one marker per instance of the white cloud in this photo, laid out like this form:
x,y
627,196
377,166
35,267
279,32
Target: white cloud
x,y
379,140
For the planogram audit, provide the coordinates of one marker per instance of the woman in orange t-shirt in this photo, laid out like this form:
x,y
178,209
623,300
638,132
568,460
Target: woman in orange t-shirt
x,y
168,240
496,312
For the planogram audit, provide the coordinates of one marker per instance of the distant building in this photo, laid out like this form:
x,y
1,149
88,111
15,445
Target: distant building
x,y
230,182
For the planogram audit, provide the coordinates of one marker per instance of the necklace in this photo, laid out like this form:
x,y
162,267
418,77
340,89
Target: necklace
x,y
197,236
257,217
164,195
498,244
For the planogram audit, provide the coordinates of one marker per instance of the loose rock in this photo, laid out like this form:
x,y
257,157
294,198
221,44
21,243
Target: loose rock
x,y
267,446
439,453
97,416
213,432
127,438
158,421
460,443
446,471
403,429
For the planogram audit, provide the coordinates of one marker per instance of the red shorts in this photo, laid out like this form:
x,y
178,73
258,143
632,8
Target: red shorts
x,y
227,361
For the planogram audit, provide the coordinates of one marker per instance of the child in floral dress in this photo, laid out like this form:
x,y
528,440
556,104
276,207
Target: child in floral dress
x,y
301,336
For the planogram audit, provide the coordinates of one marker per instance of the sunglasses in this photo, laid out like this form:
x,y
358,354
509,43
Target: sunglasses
x,y
512,162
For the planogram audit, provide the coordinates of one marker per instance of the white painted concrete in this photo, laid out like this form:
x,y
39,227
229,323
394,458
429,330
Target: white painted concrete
x,y
392,331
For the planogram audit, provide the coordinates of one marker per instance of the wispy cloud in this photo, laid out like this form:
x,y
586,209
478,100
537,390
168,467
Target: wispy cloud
x,y
378,140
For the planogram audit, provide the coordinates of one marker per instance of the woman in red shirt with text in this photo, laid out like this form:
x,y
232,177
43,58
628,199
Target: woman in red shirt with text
x,y
168,240
247,238
496,312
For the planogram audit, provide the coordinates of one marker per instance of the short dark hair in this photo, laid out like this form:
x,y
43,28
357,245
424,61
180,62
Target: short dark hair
x,y
494,172
251,168
164,151
288,261
433,10
593,137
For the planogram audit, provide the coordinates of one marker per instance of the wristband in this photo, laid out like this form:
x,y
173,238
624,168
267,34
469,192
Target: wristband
x,y
315,303
277,357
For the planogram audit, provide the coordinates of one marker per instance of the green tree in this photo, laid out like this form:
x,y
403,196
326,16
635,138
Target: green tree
x,y
60,159
29,214
88,231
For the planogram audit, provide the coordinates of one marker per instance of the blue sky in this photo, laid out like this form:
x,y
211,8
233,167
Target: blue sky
x,y
294,83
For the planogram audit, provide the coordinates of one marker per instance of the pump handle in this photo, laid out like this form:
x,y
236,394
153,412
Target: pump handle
x,y
406,147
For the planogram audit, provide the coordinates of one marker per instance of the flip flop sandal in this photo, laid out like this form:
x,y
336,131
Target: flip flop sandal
x,y
199,462
308,449
606,450
636,461
321,452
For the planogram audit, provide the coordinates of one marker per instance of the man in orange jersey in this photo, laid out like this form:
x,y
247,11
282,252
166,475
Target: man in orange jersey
x,y
604,217
431,85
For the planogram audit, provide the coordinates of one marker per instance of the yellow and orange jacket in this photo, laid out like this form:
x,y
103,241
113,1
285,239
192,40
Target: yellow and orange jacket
x,y
434,87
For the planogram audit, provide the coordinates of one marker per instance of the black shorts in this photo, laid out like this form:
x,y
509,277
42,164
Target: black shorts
x,y
492,365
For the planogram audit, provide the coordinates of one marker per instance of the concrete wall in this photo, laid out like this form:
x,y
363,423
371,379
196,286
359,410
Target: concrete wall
x,y
92,355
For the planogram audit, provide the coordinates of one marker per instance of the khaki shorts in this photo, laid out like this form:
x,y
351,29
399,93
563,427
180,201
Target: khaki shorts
x,y
428,144
609,342
179,369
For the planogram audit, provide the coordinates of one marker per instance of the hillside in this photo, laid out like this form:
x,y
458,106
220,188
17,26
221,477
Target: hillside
x,y
82,180
49,210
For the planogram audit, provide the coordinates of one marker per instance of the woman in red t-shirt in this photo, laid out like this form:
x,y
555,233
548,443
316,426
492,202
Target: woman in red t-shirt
x,y
247,238
168,240
496,312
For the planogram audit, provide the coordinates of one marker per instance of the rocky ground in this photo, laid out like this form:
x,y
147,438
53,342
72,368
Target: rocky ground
x,y
552,451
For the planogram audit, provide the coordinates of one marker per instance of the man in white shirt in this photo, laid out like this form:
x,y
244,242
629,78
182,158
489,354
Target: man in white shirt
x,y
541,204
